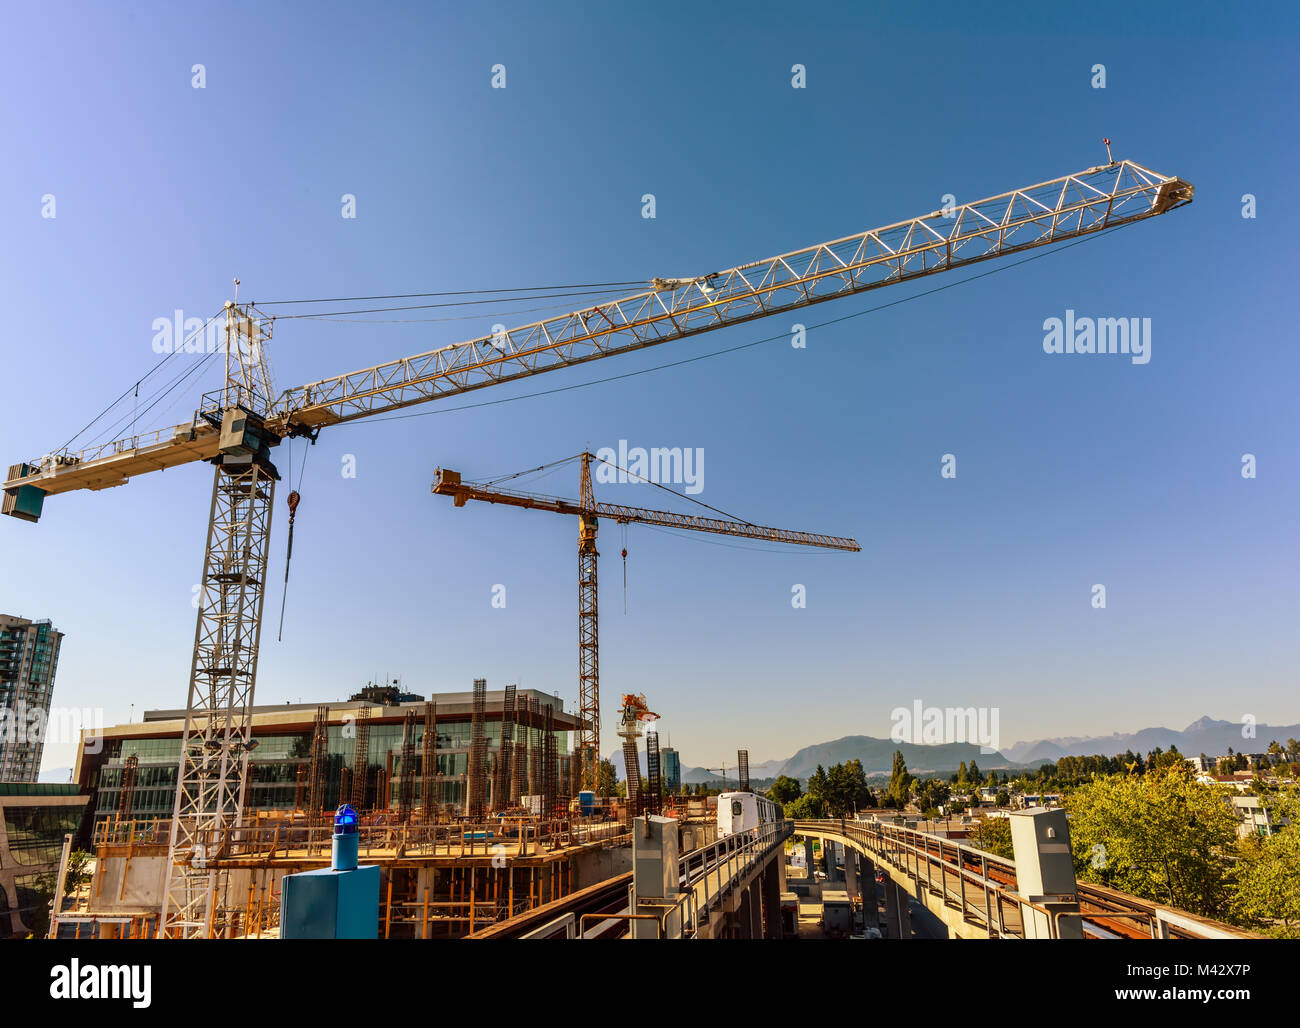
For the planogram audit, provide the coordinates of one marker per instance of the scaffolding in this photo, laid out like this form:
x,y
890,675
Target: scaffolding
x,y
550,759
361,759
534,747
319,755
126,796
406,790
632,768
507,796
654,780
429,761
476,779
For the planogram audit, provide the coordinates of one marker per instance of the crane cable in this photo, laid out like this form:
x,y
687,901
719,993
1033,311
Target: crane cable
x,y
454,292
179,348
316,315
294,498
743,346
674,492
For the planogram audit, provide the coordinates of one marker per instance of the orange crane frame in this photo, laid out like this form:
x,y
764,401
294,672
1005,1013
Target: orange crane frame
x,y
589,512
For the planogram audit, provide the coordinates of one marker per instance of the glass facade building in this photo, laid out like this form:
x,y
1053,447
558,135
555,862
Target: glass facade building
x,y
29,658
33,822
672,770
281,760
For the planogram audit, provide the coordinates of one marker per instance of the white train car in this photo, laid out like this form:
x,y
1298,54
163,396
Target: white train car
x,y
741,811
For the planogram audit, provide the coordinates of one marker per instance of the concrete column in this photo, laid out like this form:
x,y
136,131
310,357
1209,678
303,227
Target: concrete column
x,y
755,909
738,923
897,914
808,857
867,883
772,898
654,873
851,872
1040,840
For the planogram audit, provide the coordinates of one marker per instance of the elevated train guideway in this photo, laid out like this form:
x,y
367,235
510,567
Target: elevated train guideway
x,y
979,895
728,888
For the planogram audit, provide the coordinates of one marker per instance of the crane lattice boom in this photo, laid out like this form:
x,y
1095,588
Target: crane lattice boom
x,y
1049,212
236,427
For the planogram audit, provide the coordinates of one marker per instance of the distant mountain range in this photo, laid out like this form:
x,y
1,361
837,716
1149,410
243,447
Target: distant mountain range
x,y
877,756
1205,735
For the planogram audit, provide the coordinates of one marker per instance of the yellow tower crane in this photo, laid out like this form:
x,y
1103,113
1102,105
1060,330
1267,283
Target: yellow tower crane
x,y
589,512
236,428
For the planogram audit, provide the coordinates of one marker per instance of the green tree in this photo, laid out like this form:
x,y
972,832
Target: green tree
x,y
806,808
785,789
1160,837
992,835
845,789
900,782
817,782
47,882
1267,884
606,779
932,793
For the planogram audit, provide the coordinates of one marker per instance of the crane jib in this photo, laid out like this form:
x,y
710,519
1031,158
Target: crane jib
x,y
1050,212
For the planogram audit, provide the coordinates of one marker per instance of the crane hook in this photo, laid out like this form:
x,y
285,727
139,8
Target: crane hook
x,y
294,498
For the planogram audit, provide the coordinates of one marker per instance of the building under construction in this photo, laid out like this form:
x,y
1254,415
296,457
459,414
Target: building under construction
x,y
464,799
380,750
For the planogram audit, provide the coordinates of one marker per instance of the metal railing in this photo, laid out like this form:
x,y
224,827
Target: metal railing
x,y
707,874
983,887
313,838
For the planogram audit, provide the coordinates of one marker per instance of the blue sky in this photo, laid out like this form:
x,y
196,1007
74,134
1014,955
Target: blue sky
x,y
973,591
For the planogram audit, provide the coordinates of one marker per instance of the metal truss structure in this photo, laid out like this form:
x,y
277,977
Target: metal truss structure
x,y
589,512
319,759
429,762
654,778
406,785
632,773
361,759
234,428
218,718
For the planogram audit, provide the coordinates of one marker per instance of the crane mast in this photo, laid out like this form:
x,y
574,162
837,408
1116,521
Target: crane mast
x,y
589,512
236,427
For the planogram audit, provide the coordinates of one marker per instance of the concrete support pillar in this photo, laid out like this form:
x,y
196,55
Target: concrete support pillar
x,y
737,923
755,890
654,874
1040,840
772,898
808,855
851,872
897,914
867,883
